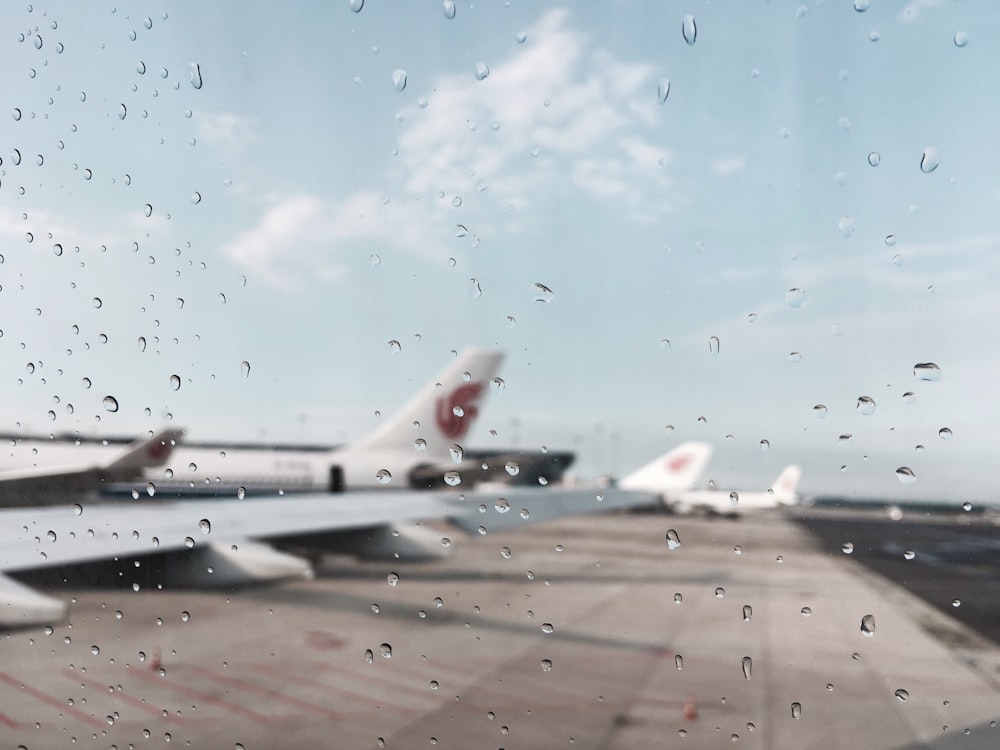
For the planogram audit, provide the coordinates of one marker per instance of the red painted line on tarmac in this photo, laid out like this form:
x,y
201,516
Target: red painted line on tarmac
x,y
275,694
199,695
125,697
46,698
5,719
364,699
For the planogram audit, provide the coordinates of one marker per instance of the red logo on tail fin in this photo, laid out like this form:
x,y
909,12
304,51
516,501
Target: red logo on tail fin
x,y
158,449
463,401
678,463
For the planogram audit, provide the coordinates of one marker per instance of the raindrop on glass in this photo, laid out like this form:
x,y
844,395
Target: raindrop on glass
x,y
929,160
448,8
196,80
747,667
110,403
663,90
905,475
382,476
868,626
399,79
874,158
673,540
481,71
927,371
689,29
961,38
866,406
794,298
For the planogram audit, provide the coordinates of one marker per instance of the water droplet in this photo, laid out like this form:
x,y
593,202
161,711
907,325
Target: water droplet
x,y
196,197
394,346
956,602
110,403
927,371
448,8
147,210
806,611
521,37
846,225
689,29
847,548
794,298
663,90
720,592
673,540
868,626
188,542
452,478
482,71
860,5
185,616
196,81
961,38
678,598
874,36
902,695
122,111
866,406
909,554
175,382
713,345
747,667
546,665
929,160
502,505
747,612
385,650
541,293
382,476
399,79
905,475
874,158
512,468
679,661
796,710
820,411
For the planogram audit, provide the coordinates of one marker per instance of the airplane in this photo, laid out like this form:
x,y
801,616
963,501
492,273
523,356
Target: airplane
x,y
233,542
425,434
733,504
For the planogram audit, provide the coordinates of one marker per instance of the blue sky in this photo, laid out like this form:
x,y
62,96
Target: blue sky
x,y
335,213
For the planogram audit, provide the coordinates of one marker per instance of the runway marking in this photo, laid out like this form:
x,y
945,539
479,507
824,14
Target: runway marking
x,y
46,698
5,719
274,694
125,697
200,695
363,699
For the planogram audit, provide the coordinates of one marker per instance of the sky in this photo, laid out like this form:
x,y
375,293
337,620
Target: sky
x,y
302,212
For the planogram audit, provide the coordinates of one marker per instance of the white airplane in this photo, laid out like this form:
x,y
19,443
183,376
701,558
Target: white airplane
x,y
427,431
733,504
230,542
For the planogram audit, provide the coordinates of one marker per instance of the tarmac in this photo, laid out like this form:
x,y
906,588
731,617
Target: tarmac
x,y
590,632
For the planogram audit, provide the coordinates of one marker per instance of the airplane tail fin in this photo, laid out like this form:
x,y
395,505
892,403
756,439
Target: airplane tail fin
x,y
143,454
442,413
677,470
786,484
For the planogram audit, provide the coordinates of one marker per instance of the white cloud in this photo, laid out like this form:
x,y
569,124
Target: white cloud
x,y
912,10
226,128
558,116
726,166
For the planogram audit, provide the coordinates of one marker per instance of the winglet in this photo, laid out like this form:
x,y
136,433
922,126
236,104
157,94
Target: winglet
x,y
144,454
679,469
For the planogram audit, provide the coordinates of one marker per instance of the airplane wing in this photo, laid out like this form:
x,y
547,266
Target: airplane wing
x,y
233,542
